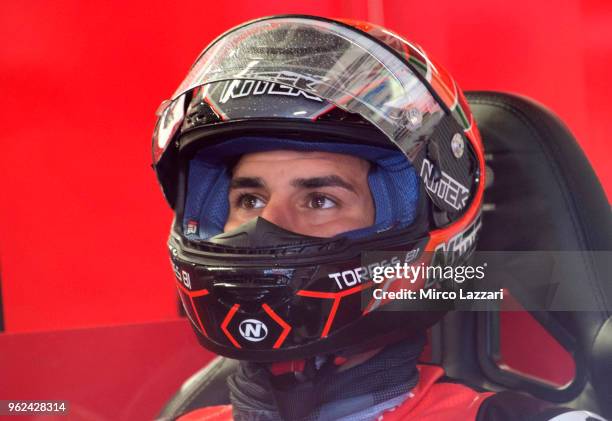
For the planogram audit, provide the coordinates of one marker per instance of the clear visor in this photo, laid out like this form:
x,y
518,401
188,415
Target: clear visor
x,y
321,58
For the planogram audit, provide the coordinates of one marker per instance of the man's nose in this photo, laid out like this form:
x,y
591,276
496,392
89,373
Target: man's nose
x,y
279,213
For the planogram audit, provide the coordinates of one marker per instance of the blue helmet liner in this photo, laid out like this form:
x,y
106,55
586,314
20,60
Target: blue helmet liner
x,y
393,183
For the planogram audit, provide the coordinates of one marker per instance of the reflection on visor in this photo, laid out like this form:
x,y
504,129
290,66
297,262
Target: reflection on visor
x,y
168,123
319,59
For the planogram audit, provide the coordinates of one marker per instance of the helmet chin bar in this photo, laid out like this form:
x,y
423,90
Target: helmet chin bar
x,y
263,293
350,340
250,288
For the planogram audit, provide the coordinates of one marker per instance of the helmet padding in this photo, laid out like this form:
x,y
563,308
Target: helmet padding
x,y
392,180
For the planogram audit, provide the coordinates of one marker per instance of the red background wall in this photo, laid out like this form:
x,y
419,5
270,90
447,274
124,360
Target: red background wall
x,y
82,221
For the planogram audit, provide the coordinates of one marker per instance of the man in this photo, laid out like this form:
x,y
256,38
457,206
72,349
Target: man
x,y
319,194
299,155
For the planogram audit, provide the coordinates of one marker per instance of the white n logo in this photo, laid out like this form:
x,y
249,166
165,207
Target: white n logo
x,y
253,330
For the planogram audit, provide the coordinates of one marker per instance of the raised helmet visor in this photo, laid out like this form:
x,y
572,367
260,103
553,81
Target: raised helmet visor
x,y
314,58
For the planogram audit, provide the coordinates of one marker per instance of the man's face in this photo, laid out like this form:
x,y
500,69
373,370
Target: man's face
x,y
319,194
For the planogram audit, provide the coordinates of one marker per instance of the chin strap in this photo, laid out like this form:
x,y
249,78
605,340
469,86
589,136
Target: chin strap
x,y
316,390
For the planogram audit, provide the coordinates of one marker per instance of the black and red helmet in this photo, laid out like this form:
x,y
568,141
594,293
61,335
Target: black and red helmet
x,y
307,83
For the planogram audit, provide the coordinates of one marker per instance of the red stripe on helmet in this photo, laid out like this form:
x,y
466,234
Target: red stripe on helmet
x,y
198,293
281,322
336,296
188,293
226,321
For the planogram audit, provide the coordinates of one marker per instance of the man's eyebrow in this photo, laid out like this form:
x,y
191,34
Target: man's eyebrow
x,y
246,182
325,181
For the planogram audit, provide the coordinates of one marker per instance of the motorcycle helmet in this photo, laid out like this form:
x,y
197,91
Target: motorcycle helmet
x,y
305,83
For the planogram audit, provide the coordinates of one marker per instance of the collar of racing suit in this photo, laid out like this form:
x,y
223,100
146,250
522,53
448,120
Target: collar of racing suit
x,y
316,390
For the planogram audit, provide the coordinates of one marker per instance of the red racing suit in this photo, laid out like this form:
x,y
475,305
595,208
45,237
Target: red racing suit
x,y
431,400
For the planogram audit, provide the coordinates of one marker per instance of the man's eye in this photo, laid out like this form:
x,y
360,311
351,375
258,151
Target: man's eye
x,y
321,202
249,201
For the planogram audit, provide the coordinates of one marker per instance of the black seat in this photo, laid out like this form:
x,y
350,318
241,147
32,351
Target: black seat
x,y
544,197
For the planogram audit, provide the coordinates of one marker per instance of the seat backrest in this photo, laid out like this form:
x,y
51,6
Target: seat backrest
x,y
544,197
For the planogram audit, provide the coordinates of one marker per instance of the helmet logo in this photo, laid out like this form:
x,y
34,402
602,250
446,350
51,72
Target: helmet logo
x,y
192,227
445,188
290,83
253,330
